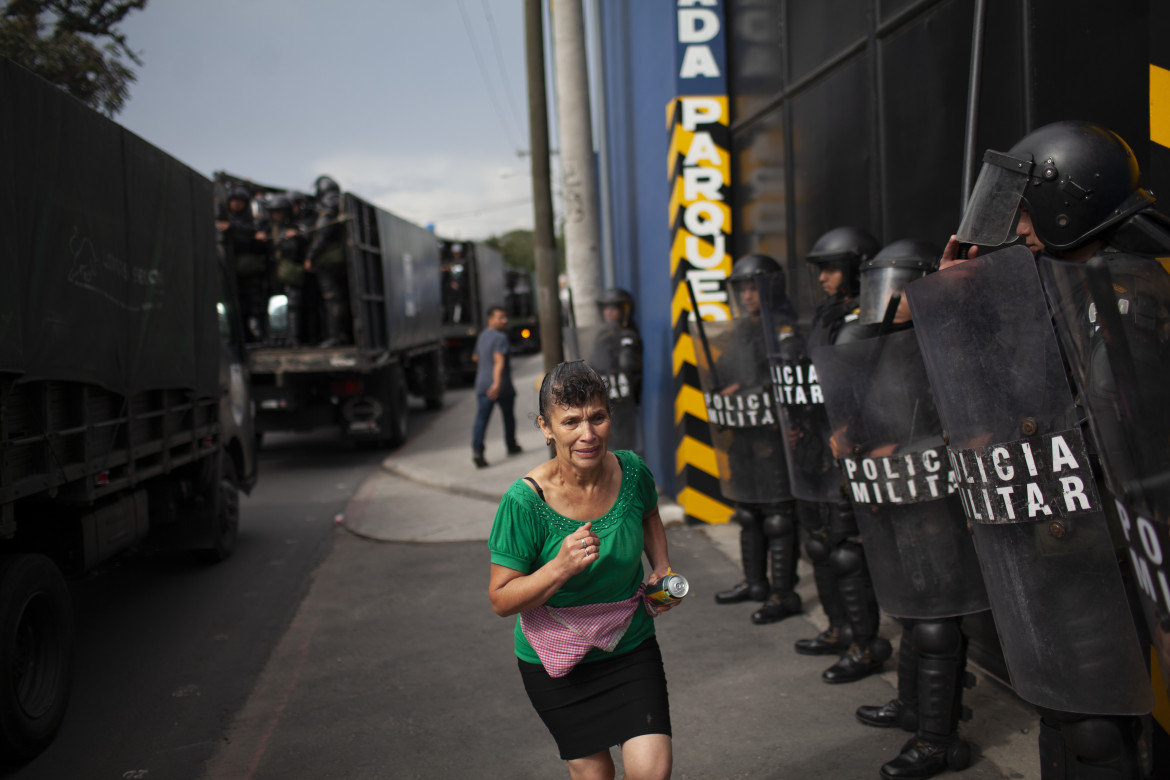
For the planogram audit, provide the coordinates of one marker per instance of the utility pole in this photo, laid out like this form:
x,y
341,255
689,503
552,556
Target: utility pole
x,y
574,122
544,239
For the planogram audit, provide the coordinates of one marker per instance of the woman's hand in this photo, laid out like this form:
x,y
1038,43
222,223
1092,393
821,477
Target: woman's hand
x,y
659,572
578,550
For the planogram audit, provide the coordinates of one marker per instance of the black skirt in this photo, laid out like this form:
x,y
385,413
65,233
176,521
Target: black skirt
x,y
601,703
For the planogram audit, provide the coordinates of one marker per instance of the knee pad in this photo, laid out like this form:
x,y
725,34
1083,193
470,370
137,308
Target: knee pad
x,y
780,522
938,638
1098,740
847,559
745,517
818,551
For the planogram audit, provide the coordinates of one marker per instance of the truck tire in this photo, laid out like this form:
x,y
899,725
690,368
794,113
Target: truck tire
x,y
36,654
397,406
225,524
435,381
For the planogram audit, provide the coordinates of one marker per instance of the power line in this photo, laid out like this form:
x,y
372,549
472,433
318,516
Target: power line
x,y
500,63
484,209
483,73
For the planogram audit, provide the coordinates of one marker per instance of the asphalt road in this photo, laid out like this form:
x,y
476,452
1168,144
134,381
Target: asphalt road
x,y
168,648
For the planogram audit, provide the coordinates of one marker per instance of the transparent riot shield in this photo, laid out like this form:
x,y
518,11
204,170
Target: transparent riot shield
x,y
888,437
1024,477
804,425
741,410
601,347
1113,318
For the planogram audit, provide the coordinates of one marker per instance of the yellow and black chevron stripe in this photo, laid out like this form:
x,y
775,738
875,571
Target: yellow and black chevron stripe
x,y
695,466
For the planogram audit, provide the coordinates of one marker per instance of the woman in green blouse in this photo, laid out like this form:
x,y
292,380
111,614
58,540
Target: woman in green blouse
x,y
566,551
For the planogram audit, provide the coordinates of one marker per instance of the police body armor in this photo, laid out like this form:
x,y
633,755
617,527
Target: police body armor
x,y
1113,318
1027,487
615,352
741,410
889,440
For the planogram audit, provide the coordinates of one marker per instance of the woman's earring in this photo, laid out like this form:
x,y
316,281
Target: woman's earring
x,y
548,442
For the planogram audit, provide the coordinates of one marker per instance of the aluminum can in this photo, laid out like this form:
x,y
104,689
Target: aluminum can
x,y
668,590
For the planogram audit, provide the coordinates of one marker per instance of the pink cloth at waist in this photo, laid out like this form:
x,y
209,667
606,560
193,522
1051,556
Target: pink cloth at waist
x,y
561,636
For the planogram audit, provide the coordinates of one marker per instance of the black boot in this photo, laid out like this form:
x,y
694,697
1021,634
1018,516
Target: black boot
x,y
753,552
776,608
868,651
783,601
941,660
743,591
836,639
900,712
921,759
857,664
832,641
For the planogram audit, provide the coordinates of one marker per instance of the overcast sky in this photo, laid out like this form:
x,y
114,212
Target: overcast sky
x,y
417,105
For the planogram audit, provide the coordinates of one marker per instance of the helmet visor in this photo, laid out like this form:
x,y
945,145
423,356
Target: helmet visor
x,y
991,211
878,285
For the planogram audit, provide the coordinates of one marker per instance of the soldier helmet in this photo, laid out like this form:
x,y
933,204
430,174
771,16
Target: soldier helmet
x,y
759,272
618,298
1077,179
278,201
888,273
846,248
239,192
325,184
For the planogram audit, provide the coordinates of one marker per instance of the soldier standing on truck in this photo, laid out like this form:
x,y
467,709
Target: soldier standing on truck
x,y
237,231
286,246
327,260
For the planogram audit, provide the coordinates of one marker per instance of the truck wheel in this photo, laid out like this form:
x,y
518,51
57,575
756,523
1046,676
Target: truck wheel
x,y
436,382
36,654
225,525
396,406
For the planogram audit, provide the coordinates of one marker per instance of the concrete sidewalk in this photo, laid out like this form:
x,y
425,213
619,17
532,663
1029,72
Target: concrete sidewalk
x,y
435,468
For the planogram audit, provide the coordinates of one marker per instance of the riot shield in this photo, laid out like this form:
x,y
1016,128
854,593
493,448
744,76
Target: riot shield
x,y
741,410
812,469
1027,487
1113,318
601,347
888,437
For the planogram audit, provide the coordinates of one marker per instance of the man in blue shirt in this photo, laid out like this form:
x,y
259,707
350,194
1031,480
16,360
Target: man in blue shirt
x,y
493,383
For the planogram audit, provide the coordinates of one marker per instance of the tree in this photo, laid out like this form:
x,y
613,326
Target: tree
x,y
75,44
518,249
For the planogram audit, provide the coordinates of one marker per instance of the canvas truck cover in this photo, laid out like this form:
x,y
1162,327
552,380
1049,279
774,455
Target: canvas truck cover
x,y
107,250
410,259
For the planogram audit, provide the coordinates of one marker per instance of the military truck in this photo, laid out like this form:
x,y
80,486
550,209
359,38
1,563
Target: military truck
x,y
473,282
125,420
391,347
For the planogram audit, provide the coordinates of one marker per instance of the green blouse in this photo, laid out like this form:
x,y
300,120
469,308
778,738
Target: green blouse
x,y
527,534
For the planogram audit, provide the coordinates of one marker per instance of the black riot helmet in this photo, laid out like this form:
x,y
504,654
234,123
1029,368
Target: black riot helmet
x,y
279,202
888,273
745,277
1077,179
616,298
845,248
325,184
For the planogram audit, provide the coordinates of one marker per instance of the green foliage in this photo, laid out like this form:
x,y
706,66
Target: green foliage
x,y
518,249
75,44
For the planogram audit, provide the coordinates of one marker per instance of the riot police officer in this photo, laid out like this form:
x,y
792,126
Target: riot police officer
x,y
249,259
617,355
832,541
925,570
1074,188
326,259
286,246
741,411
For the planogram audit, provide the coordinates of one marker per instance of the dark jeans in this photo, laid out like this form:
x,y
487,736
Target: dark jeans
x,y
507,404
